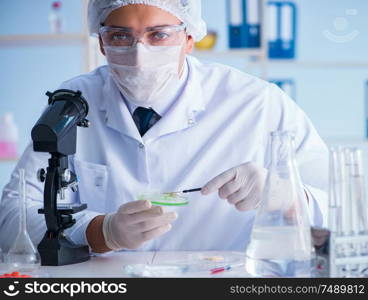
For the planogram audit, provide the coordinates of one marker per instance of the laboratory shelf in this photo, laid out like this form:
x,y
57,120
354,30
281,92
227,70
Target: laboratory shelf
x,y
90,55
246,53
316,64
260,54
41,39
5,160
241,53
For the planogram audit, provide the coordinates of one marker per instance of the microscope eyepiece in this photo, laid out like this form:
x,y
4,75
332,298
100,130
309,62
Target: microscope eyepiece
x,y
56,130
63,94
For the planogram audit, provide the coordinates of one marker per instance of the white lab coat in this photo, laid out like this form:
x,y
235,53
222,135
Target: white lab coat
x,y
222,119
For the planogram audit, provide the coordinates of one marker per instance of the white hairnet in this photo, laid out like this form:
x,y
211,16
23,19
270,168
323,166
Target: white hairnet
x,y
188,11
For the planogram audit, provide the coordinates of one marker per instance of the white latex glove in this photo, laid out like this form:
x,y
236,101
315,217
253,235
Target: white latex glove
x,y
135,223
242,186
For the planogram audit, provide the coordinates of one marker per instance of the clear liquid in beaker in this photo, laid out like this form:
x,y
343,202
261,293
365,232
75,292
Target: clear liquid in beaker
x,y
279,252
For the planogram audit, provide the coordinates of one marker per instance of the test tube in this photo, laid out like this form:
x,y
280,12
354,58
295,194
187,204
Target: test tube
x,y
359,217
359,185
359,204
346,211
356,192
337,195
335,182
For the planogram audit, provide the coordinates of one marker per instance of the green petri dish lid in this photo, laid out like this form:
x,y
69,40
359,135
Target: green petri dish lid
x,y
165,199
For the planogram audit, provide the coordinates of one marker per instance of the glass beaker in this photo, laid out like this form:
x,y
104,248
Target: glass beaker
x,y
22,256
281,244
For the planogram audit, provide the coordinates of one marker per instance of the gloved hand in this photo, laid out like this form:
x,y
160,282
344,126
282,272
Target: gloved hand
x,y
135,223
242,186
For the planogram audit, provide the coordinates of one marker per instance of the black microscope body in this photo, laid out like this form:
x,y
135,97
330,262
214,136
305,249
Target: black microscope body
x,y
56,133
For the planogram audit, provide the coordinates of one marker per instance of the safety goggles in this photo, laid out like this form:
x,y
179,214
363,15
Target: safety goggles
x,y
168,35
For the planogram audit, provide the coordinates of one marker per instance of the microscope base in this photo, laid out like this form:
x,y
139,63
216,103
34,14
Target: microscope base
x,y
60,251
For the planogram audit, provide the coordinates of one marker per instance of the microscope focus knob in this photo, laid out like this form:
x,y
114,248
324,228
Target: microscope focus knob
x,y
66,176
74,186
84,123
41,175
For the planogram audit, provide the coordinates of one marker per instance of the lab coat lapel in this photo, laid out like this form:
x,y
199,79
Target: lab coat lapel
x,y
117,115
182,114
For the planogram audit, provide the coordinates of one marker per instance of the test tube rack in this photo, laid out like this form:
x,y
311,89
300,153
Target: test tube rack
x,y
348,255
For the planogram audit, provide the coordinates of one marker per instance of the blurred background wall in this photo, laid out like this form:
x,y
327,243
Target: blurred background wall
x,y
330,78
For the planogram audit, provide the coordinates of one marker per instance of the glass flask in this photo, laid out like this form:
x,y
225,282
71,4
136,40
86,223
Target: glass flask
x,y
281,244
22,256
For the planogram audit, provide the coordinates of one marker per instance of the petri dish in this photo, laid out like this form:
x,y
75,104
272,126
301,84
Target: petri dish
x,y
190,265
164,199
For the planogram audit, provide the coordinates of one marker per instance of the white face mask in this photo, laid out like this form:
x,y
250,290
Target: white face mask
x,y
144,73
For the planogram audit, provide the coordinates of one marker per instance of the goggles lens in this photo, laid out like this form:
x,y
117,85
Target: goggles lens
x,y
156,36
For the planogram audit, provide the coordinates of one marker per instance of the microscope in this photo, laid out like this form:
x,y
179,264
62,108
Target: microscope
x,y
56,132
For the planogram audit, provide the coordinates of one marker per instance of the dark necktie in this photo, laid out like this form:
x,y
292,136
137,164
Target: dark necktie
x,y
145,118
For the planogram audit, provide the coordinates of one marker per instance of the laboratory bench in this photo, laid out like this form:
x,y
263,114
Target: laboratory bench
x,y
174,264
111,265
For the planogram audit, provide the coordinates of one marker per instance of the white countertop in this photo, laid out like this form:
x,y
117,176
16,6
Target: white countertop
x,y
112,265
149,264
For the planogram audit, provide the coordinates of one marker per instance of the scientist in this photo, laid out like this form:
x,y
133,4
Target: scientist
x,y
164,121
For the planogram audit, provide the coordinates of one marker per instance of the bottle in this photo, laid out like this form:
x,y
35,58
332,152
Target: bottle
x,y
22,255
56,20
8,137
281,244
